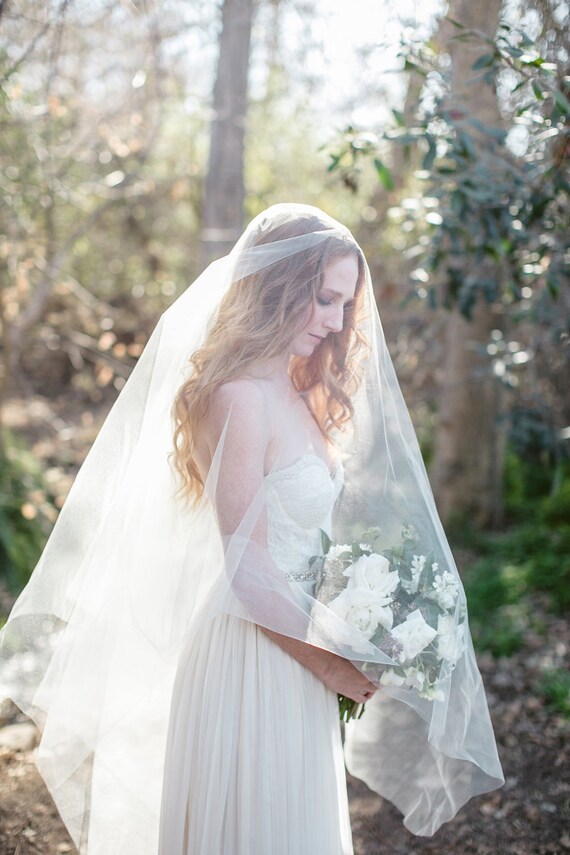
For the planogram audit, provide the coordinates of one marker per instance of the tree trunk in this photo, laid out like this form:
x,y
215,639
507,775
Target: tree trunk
x,y
224,192
468,463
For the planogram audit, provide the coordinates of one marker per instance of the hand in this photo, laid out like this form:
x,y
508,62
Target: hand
x,y
343,677
337,673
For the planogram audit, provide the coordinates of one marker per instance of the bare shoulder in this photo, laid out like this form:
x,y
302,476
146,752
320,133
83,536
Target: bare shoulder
x,y
240,408
243,397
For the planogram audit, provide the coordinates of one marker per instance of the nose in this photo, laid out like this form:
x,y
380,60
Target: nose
x,y
335,320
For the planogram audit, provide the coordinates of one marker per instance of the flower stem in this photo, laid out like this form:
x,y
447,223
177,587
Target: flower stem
x,y
348,708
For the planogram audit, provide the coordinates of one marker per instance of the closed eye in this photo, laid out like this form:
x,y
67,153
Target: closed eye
x,y
324,301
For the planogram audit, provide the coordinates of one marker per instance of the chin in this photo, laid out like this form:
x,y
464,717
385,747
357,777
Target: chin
x,y
304,349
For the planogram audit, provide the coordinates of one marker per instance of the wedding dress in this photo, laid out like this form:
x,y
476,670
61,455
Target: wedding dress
x,y
254,761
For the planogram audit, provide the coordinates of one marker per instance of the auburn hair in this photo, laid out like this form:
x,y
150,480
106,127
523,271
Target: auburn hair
x,y
258,318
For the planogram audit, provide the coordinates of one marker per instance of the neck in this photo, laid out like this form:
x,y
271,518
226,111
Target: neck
x,y
275,370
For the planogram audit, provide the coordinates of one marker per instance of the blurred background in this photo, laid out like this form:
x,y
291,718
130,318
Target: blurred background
x,y
138,137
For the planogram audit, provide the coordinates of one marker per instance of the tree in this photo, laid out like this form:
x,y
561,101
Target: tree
x,y
224,186
489,220
468,466
91,163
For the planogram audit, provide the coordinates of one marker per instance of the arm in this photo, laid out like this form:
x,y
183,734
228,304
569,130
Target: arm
x,y
337,673
237,414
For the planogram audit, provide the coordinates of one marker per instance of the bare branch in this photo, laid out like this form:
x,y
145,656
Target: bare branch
x,y
37,305
36,39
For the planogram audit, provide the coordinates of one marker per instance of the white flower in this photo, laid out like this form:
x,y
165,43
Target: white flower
x,y
446,589
390,678
415,679
432,693
359,608
450,639
418,563
409,532
414,634
337,549
372,572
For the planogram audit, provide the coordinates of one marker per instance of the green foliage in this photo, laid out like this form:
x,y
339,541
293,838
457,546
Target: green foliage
x,y
494,591
555,689
26,513
531,557
503,206
536,489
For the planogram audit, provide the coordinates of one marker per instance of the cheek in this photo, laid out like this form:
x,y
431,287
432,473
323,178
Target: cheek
x,y
306,318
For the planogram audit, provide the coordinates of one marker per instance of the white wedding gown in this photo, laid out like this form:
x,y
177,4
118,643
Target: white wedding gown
x,y
254,761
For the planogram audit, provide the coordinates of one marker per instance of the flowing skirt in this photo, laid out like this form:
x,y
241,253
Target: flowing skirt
x,y
254,759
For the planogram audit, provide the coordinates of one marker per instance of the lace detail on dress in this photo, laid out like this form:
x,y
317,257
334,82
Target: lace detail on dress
x,y
300,499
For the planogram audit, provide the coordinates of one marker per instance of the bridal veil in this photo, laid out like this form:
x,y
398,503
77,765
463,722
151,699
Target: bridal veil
x,y
91,647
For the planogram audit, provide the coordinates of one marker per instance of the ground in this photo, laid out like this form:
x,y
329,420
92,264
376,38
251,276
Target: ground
x,y
530,815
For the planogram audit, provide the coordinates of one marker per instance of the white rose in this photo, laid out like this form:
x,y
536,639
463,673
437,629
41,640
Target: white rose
x,y
414,634
359,608
450,639
390,678
373,572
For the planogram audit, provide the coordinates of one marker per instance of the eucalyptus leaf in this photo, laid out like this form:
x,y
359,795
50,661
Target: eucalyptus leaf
x,y
483,61
562,101
430,155
384,174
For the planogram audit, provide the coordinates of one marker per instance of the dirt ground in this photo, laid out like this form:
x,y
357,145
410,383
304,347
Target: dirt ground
x,y
529,816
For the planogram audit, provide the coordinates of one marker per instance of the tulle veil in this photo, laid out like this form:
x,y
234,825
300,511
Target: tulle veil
x,y
132,571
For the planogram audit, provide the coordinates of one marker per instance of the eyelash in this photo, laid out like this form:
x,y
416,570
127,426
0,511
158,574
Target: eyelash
x,y
322,301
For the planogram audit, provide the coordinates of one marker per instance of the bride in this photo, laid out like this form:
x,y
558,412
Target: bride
x,y
172,645
266,730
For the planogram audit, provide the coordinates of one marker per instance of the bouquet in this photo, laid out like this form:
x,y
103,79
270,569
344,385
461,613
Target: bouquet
x,y
401,601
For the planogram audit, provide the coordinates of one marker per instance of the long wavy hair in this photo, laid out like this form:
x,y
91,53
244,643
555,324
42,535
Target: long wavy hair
x,y
257,319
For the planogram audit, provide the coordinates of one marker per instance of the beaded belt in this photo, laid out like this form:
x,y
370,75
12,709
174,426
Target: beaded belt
x,y
301,576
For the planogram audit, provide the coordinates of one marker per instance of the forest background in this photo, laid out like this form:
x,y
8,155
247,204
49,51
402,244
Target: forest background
x,y
136,140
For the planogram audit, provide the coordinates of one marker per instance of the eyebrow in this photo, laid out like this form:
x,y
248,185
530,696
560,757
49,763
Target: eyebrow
x,y
336,293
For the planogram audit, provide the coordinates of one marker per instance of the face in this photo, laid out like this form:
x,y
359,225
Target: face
x,y
327,315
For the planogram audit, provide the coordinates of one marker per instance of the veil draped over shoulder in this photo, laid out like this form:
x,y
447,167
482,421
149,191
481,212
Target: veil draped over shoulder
x,y
132,571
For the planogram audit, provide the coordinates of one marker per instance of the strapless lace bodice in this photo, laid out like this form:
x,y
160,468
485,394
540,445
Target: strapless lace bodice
x,y
300,500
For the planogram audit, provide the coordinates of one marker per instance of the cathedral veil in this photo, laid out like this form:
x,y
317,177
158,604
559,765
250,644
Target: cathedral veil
x,y
132,571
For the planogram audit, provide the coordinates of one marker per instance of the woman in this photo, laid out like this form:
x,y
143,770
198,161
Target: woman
x,y
278,334
173,646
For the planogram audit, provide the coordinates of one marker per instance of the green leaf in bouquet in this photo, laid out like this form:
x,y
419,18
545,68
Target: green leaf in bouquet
x,y
428,661
371,536
398,552
405,572
383,640
326,542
